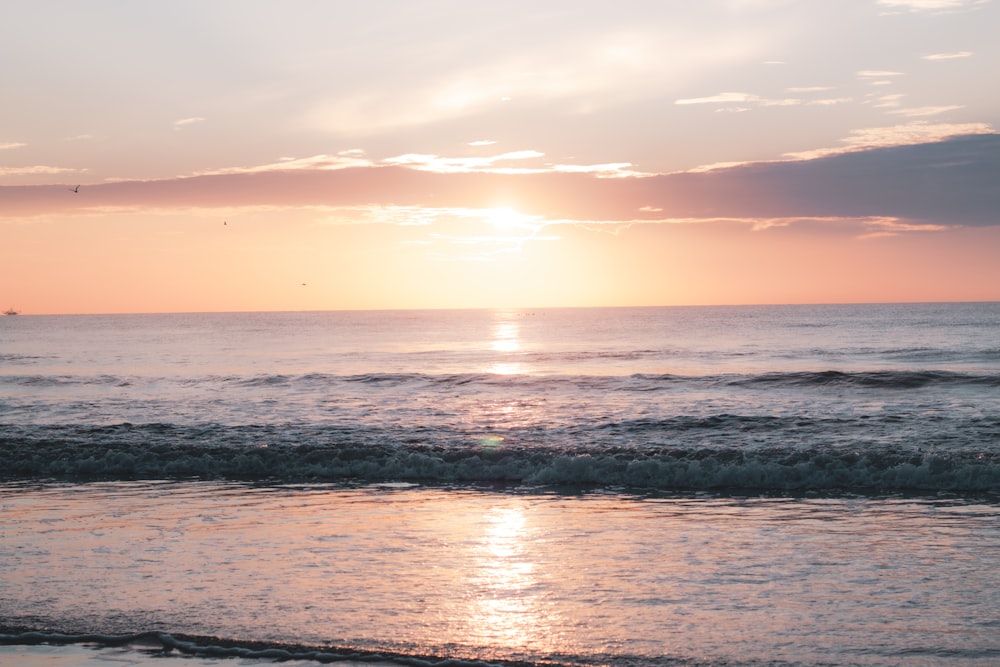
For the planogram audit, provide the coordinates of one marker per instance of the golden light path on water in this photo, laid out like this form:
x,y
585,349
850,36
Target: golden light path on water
x,y
504,609
506,340
490,576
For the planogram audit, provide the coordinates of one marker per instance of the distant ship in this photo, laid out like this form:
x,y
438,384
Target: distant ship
x,y
10,311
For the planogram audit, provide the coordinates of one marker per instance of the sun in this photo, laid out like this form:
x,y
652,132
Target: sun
x,y
508,220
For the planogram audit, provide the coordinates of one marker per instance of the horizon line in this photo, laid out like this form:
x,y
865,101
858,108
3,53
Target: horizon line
x,y
22,313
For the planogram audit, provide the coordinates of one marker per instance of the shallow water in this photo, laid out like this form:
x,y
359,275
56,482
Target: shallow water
x,y
594,577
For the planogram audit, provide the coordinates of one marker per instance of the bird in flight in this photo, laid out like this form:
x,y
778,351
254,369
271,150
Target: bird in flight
x,y
76,189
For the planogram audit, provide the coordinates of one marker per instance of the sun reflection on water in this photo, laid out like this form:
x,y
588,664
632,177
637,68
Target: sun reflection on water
x,y
505,604
506,339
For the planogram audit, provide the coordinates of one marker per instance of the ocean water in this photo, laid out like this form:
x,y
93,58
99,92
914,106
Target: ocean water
x,y
766,485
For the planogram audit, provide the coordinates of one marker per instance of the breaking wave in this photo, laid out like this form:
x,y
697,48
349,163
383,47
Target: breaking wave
x,y
293,453
162,644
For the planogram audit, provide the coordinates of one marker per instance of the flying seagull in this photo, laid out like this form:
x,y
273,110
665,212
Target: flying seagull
x,y
76,189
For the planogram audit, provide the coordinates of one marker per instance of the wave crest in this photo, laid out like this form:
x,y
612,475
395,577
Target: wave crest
x,y
164,451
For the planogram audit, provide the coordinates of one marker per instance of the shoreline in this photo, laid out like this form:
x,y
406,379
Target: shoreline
x,y
39,648
94,655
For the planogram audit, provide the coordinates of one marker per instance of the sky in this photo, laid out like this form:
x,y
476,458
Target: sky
x,y
242,155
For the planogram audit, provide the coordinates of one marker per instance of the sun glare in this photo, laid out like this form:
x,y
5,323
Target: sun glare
x,y
504,607
506,340
508,220
506,337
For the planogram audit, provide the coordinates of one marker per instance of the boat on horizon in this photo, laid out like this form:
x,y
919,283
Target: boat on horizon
x,y
10,311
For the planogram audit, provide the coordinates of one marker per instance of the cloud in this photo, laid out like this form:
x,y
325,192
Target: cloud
x,y
933,6
36,170
876,74
721,98
606,170
184,122
888,101
908,186
489,232
925,111
877,77
948,56
918,132
446,165
732,101
511,162
342,160
489,164
10,145
947,182
882,227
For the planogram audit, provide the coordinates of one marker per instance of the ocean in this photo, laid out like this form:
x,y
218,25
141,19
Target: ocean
x,y
629,487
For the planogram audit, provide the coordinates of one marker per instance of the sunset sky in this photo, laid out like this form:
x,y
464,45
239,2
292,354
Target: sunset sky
x,y
298,155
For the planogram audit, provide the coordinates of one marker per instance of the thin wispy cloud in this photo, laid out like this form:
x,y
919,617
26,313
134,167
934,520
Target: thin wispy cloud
x,y
37,169
891,101
446,165
721,98
745,101
185,122
527,162
11,145
955,55
885,227
922,112
868,74
932,6
342,160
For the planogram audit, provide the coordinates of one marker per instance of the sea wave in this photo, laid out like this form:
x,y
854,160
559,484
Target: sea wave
x,y
159,644
293,453
163,644
64,380
878,379
868,379
881,379
8,358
